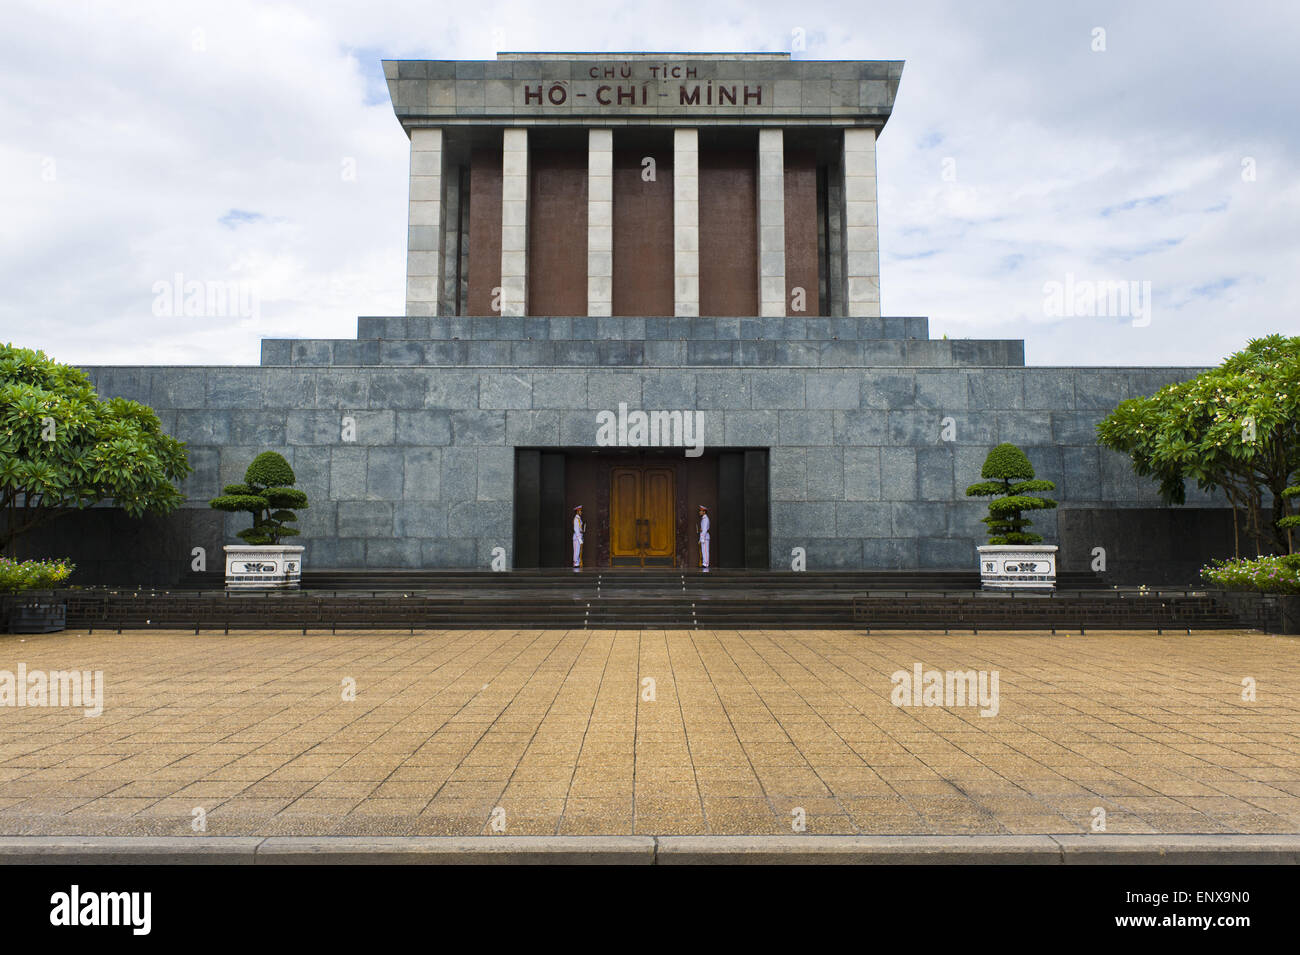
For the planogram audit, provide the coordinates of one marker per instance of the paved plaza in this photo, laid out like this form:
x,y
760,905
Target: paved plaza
x,y
740,732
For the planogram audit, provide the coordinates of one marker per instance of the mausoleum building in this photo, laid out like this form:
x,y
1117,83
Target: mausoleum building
x,y
644,283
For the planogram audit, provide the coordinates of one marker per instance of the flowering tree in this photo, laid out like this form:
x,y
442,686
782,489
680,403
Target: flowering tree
x,y
62,447
1234,428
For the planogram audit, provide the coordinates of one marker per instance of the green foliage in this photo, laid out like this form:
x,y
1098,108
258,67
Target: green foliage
x,y
19,575
285,496
1291,520
1011,486
1270,575
1006,462
269,470
1234,428
266,495
63,448
239,502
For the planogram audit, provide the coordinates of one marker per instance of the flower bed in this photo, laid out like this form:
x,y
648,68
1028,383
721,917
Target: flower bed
x,y
1269,575
35,612
19,575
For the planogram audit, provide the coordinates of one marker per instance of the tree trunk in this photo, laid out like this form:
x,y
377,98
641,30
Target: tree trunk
x,y
1233,503
1281,541
21,523
1256,518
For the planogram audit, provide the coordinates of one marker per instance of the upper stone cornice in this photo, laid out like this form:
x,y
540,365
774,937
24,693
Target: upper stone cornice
x,y
643,88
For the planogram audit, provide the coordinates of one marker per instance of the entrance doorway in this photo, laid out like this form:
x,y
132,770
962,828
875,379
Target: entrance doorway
x,y
642,517
641,507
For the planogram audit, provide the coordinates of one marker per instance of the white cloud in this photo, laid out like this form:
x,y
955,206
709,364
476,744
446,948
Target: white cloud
x,y
156,120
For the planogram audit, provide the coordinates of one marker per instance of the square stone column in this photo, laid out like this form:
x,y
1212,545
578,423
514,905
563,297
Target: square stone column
x,y
451,246
686,222
861,246
835,240
600,222
424,224
514,221
771,223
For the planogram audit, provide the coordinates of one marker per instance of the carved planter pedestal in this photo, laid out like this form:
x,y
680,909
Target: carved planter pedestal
x,y
263,567
1018,566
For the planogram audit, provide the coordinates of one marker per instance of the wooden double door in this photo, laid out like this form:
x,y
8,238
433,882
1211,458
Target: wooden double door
x,y
643,516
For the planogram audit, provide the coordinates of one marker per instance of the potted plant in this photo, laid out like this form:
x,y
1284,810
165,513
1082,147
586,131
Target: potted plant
x,y
262,562
40,610
1014,558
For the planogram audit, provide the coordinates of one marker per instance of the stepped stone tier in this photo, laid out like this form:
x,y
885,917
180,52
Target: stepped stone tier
x,y
642,283
725,600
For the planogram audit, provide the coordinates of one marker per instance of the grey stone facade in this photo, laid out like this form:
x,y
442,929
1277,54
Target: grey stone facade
x,y
405,437
860,472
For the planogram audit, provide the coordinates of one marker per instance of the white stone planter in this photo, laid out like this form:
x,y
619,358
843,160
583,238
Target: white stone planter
x,y
263,566
1018,566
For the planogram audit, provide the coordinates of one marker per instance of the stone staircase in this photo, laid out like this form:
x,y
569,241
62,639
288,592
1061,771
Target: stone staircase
x,y
658,598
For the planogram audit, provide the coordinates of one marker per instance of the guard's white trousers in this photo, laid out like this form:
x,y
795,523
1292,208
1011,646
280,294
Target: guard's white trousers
x,y
704,552
577,551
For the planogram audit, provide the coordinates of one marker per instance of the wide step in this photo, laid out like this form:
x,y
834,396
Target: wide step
x,y
682,606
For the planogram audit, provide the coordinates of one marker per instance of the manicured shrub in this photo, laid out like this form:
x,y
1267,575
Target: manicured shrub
x,y
1010,482
267,494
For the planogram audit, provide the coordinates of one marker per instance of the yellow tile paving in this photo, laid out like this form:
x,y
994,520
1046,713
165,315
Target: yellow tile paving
x,y
648,731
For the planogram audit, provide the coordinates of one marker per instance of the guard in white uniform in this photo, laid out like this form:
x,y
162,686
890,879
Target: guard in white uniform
x,y
579,527
704,537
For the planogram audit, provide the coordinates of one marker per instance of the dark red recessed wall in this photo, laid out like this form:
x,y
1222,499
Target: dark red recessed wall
x,y
557,231
801,230
728,231
643,233
484,229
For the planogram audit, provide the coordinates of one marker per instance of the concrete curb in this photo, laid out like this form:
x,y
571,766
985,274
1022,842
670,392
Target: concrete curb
x,y
1101,849
458,850
858,850
1269,849
128,850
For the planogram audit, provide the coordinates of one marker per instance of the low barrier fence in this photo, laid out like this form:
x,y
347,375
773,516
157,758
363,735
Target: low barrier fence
x,y
333,611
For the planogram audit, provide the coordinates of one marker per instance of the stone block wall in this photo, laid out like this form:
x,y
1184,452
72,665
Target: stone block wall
x,y
412,465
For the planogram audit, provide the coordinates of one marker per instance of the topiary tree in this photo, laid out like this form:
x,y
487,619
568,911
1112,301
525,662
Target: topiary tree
x,y
267,494
64,448
1010,481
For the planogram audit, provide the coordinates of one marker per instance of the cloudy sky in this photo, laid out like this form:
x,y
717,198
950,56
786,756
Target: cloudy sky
x,y
1031,143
